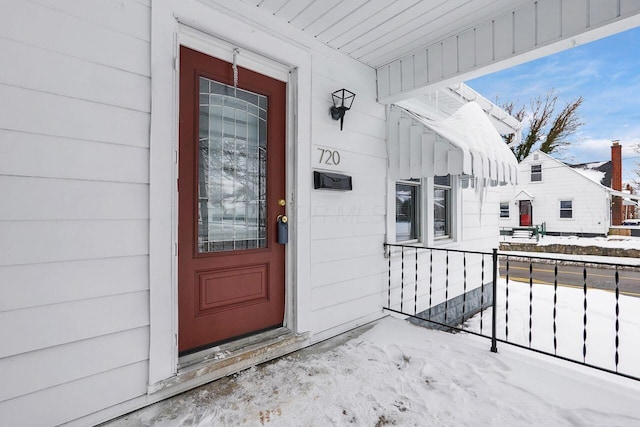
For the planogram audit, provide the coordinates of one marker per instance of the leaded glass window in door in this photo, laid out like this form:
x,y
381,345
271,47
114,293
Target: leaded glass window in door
x,y
232,168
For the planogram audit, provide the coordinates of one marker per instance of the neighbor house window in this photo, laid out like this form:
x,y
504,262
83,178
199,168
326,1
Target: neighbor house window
x,y
566,209
407,210
504,209
442,206
536,173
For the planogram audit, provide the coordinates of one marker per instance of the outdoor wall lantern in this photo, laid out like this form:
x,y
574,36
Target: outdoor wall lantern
x,y
342,101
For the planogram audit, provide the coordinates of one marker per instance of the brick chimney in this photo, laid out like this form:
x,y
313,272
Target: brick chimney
x,y
616,182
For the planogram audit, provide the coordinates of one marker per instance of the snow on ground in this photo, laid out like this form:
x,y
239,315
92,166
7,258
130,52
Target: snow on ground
x,y
625,242
601,309
395,373
622,242
399,374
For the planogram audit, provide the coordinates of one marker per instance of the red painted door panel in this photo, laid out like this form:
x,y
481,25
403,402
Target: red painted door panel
x,y
526,213
231,176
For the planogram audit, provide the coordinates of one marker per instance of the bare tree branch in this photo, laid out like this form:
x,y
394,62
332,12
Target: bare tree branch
x,y
539,135
565,124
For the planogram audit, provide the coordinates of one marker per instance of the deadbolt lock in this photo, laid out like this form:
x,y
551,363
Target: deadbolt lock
x,y
282,202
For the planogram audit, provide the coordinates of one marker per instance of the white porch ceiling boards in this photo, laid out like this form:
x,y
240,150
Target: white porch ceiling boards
x,y
377,32
419,43
526,32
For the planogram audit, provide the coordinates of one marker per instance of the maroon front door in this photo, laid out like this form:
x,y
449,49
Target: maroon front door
x,y
526,213
231,179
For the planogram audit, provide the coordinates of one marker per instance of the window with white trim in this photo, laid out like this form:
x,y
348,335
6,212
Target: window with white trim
x,y
504,209
442,206
536,173
408,210
566,209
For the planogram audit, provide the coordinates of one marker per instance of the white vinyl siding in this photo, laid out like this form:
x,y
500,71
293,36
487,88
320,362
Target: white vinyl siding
x,y
347,228
74,175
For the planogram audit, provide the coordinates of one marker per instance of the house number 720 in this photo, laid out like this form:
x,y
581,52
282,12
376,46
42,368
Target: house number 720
x,y
329,157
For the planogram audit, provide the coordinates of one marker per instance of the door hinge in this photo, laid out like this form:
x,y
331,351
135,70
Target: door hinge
x,y
175,249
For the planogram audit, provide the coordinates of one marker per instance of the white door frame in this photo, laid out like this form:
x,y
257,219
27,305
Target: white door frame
x,y
194,24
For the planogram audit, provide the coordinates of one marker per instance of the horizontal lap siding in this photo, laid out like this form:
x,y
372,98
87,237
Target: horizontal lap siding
x,y
27,242
102,353
480,218
74,180
56,115
68,401
83,159
348,269
32,285
28,198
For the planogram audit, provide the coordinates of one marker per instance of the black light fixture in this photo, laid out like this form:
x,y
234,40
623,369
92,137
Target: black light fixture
x,y
342,101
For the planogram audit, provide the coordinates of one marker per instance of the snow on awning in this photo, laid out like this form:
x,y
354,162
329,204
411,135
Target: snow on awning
x,y
623,194
465,143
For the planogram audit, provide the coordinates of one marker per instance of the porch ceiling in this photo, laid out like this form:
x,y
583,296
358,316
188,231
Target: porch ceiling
x,y
377,32
419,45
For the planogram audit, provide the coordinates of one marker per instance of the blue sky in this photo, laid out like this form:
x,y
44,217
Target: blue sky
x,y
606,73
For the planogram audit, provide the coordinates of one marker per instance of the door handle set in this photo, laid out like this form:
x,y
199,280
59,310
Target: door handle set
x,y
283,225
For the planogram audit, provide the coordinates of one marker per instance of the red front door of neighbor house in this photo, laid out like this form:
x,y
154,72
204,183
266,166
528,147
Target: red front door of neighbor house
x,y
230,181
526,213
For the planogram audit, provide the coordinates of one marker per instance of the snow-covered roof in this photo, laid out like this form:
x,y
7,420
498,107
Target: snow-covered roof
x,y
593,174
590,174
599,172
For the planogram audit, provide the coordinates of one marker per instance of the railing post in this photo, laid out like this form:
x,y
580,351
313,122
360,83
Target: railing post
x,y
494,314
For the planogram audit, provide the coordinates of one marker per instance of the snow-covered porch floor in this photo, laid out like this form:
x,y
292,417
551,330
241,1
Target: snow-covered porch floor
x,y
394,373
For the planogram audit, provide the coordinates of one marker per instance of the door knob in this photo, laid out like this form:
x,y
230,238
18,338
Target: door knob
x,y
282,218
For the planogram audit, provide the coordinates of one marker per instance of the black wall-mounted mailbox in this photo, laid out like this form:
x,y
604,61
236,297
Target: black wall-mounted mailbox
x,y
331,181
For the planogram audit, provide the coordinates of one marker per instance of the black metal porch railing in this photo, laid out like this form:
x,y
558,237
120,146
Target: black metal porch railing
x,y
528,298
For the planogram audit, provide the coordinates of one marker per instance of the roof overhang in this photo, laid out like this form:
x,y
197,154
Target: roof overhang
x,y
523,195
526,31
622,194
419,46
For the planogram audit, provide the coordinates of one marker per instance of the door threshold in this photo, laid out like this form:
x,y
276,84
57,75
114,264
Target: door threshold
x,y
214,363
230,348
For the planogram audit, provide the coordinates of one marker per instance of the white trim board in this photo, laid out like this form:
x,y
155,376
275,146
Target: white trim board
x,y
196,25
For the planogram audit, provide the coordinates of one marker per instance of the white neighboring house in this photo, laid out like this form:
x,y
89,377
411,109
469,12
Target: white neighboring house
x,y
139,253
568,199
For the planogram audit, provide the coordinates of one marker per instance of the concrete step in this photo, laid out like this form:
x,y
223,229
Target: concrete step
x,y
522,234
